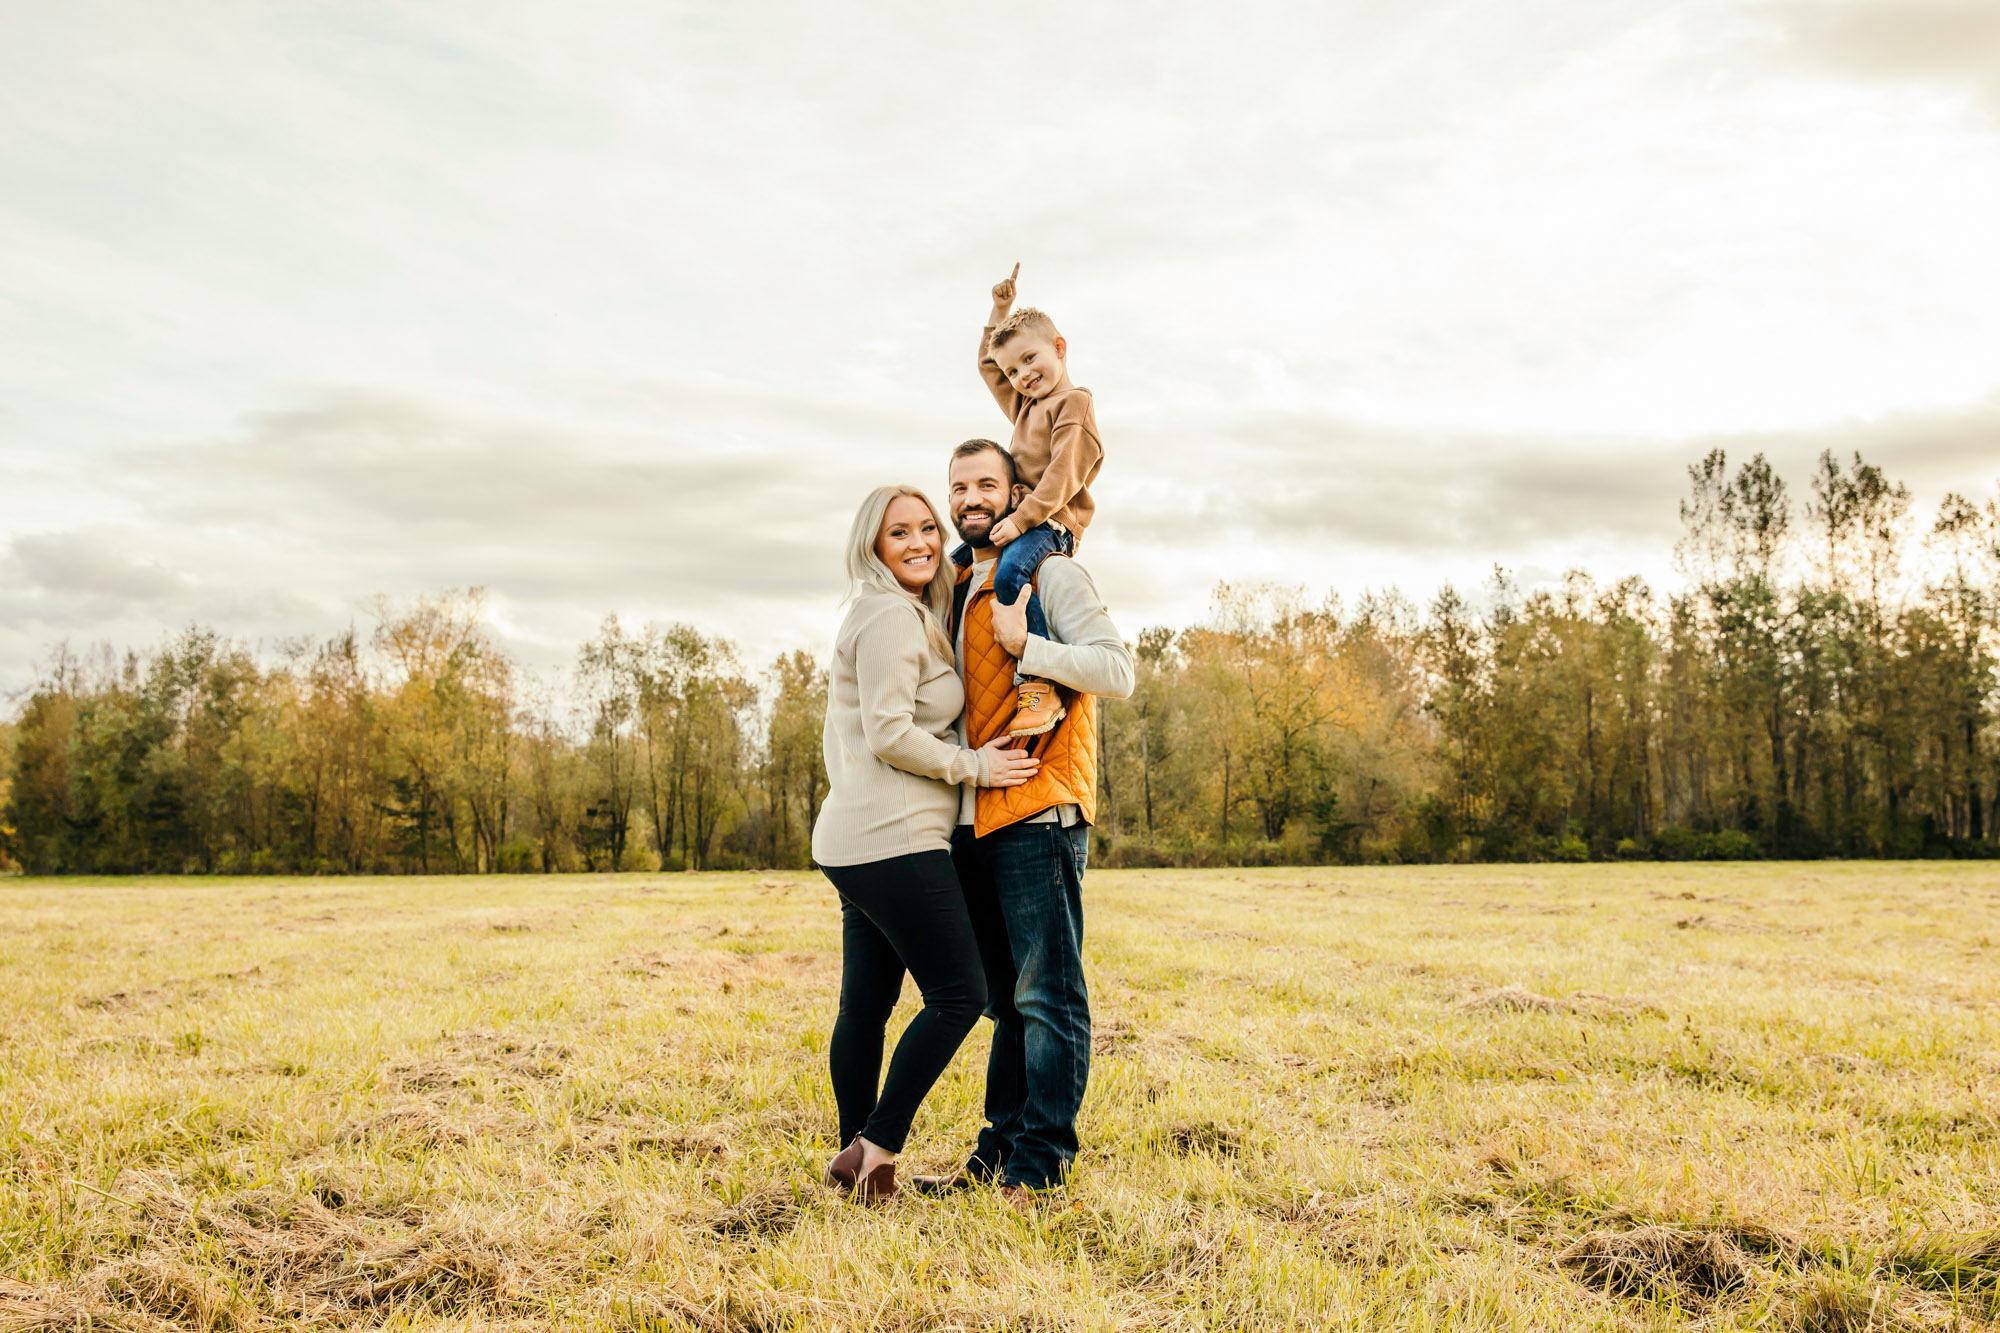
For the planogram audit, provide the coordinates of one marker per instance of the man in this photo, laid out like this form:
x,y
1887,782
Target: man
x,y
1021,857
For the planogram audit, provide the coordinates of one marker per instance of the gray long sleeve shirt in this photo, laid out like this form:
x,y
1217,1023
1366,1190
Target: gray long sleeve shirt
x,y
1084,651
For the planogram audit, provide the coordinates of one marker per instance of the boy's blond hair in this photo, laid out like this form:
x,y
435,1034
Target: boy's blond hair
x,y
1025,320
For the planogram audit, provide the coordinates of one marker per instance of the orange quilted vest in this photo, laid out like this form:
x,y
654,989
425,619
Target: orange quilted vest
x,y
1068,753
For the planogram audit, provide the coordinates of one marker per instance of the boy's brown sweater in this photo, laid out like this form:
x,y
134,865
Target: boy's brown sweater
x,y
1055,447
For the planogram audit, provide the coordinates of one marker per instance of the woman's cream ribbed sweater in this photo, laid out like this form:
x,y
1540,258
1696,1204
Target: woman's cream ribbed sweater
x,y
893,764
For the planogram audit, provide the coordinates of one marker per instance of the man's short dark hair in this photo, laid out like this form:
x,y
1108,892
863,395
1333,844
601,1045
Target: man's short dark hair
x,y
971,447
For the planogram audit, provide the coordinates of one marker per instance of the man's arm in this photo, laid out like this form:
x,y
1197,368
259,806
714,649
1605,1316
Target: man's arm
x,y
1074,454
1085,650
989,369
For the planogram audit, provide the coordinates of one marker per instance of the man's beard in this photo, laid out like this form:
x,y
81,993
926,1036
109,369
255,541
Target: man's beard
x,y
958,522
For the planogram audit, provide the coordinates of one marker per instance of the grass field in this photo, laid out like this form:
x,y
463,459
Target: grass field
x,y
1481,1097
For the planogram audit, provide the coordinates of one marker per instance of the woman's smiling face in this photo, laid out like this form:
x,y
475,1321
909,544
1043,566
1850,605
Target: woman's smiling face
x,y
910,543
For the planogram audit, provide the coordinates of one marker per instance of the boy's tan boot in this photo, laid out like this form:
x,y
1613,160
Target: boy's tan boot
x,y
1040,708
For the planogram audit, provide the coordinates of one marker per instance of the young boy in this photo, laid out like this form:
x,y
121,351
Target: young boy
x,y
1056,456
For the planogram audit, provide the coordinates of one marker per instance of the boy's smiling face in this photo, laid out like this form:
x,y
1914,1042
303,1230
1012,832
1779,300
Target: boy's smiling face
x,y
1034,363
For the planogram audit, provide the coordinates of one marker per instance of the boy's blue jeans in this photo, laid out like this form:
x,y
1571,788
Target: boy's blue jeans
x,y
1019,559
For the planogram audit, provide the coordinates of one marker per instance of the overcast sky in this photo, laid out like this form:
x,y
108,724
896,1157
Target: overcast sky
x,y
624,306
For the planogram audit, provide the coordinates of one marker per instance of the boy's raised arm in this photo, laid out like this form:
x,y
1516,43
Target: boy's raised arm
x,y
989,370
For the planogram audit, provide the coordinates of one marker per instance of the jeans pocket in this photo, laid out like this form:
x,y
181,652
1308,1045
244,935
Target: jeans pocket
x,y
1076,845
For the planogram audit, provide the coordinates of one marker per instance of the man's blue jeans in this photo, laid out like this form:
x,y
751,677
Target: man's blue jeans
x,y
1019,559
1024,888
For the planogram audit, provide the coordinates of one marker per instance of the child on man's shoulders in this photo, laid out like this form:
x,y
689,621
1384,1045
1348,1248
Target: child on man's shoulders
x,y
1057,454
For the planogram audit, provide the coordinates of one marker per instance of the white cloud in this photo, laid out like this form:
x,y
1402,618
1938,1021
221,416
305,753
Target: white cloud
x,y
632,303
1945,47
76,564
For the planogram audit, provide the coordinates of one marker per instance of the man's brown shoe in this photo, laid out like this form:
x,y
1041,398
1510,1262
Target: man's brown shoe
x,y
1020,1198
1039,706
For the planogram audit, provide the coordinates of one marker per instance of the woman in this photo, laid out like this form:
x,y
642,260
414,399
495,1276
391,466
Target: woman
x,y
883,836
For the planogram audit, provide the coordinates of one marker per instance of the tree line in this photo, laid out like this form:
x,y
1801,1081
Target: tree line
x,y
1823,685
419,749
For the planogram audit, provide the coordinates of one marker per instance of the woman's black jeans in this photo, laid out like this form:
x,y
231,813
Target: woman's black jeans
x,y
905,913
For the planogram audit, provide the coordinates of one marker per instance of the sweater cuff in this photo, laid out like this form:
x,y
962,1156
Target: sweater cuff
x,y
982,768
1032,656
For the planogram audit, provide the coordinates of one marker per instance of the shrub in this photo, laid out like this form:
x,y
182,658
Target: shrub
x,y
517,858
1731,845
1414,845
1675,843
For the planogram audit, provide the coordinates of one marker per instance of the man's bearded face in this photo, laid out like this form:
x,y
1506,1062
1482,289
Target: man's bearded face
x,y
980,494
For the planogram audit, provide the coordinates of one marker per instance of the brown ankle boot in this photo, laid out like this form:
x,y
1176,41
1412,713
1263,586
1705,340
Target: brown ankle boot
x,y
843,1169
844,1174
877,1185
1040,708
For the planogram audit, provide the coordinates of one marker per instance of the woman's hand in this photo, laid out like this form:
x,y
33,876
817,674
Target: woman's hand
x,y
1006,764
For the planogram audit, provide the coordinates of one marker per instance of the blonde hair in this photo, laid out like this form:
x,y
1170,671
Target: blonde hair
x,y
866,573
1025,320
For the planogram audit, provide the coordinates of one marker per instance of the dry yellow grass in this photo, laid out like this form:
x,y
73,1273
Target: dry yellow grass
x,y
1498,1097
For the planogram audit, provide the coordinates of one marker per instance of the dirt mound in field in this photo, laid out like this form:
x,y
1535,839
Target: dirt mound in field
x,y
1835,1304
621,1139
149,998
1204,1136
247,1259
443,1272
1658,1260
1590,1004
470,1055
26,1309
1517,999
1949,1263
723,968
171,1290
311,1259
421,1125
770,1212
1108,1036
